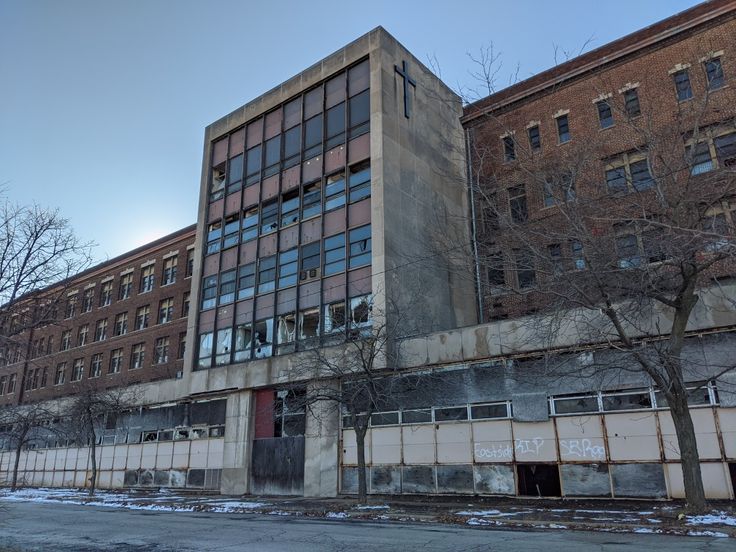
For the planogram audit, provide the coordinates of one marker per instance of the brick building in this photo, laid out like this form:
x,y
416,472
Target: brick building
x,y
320,201
122,321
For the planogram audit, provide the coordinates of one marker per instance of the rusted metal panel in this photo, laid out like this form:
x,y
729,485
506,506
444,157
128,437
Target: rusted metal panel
x,y
278,466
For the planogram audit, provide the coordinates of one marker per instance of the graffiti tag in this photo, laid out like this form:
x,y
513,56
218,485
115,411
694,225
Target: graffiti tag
x,y
529,446
582,448
496,452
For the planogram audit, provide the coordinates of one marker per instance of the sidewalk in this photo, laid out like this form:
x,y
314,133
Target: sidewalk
x,y
588,515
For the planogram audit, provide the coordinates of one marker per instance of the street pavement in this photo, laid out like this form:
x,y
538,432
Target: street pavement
x,y
59,527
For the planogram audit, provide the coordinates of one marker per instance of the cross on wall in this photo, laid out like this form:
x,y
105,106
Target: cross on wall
x,y
404,72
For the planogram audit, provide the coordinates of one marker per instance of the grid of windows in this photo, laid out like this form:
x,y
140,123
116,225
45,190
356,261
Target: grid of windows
x,y
628,172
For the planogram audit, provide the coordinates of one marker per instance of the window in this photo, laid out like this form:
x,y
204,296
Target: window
x,y
147,278
217,185
116,361
359,106
190,263
310,259
605,113
78,369
209,292
71,306
66,340
285,328
361,309
214,233
575,404
517,204
334,317
292,146
334,254
126,286
44,377
234,173
631,103
627,400
243,335
137,356
227,287
714,73
555,257
525,275
489,411
141,317
182,345
82,334
335,191
60,375
496,273
106,294
185,305
11,383
682,85
270,217
290,208
716,149
263,338
89,297
3,382
360,246
360,181
627,245
249,226
121,323
288,268
253,160
335,126
563,129
578,257
166,311
559,189
169,276
509,149
231,231
205,350
629,172
246,281
309,323
535,139
267,274
313,137
95,366
101,330
312,201
725,147
223,346
161,351
272,156
450,414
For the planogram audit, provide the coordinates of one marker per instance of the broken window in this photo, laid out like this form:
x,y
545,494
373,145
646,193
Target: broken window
x,y
209,292
263,338
290,208
269,217
384,418
243,334
421,416
309,323
631,103
563,128
312,201
334,317
231,232
360,246
223,346
217,185
205,350
335,191
289,413
535,140
249,225
575,404
525,273
286,329
361,311
627,400
214,233
360,181
538,480
450,414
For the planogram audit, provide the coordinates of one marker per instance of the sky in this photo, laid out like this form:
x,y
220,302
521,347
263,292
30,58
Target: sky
x,y
103,104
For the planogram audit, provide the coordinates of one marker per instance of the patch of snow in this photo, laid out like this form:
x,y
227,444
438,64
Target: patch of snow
x,y
652,520
643,530
556,526
336,515
479,513
366,507
706,534
478,521
234,505
717,518
278,513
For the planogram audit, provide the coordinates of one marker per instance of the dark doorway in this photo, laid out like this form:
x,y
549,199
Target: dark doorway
x,y
732,471
538,479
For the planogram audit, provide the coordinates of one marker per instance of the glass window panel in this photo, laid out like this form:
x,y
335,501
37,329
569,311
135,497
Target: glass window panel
x,y
384,418
573,405
310,256
224,345
359,110
254,160
336,120
235,170
640,177
292,142
726,149
270,217
243,336
360,181
267,274
288,268
250,225
246,281
273,151
488,411
312,202
448,414
631,103
263,338
416,416
313,132
616,180
309,323
626,401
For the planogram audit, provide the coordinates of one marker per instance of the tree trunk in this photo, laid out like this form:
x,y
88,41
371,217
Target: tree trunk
x,y
685,430
93,454
14,484
360,443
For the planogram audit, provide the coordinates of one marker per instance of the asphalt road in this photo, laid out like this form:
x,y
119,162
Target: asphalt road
x,y
28,526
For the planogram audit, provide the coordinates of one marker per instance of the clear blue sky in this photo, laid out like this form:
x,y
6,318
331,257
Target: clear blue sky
x,y
103,104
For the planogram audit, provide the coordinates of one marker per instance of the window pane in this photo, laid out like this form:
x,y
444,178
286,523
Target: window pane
x,y
628,401
416,416
384,418
486,411
447,414
576,404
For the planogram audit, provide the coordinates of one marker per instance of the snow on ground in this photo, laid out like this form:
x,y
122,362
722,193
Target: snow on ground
x,y
369,507
336,515
717,518
706,534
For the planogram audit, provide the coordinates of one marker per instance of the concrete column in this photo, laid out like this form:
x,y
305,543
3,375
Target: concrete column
x,y
321,454
237,450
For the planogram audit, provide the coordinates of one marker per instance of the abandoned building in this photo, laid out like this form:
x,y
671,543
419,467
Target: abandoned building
x,y
318,207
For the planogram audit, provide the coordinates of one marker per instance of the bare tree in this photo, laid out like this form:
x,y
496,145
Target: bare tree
x,y
21,427
91,404
38,254
618,248
359,375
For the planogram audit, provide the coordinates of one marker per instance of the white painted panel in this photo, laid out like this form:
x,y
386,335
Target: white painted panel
x,y
163,455
120,457
534,441
580,438
198,455
386,445
453,443
180,458
134,457
727,423
492,441
215,453
632,436
705,434
82,458
148,455
419,444
715,480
